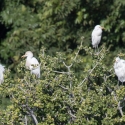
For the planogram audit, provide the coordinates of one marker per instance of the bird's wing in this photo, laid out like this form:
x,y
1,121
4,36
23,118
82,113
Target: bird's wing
x,y
36,71
34,64
95,40
35,67
93,37
2,68
34,61
99,33
122,61
121,66
120,70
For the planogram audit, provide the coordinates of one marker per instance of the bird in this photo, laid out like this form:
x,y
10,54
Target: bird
x,y
32,63
96,36
119,67
1,73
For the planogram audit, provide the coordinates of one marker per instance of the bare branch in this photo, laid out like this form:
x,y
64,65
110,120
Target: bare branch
x,y
63,87
106,77
119,107
22,89
88,74
68,67
71,114
30,112
78,50
25,120
91,69
61,72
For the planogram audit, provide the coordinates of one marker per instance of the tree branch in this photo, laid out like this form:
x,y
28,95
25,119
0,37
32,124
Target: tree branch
x,y
88,74
25,120
119,107
91,69
71,114
31,113
60,72
63,87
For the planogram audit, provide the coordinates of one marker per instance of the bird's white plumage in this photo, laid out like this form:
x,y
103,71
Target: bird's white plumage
x,y
119,67
96,36
1,73
32,63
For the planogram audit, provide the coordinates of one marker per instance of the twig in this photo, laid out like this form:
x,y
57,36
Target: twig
x,y
43,52
68,67
31,113
106,77
91,69
71,114
119,107
78,51
89,74
25,122
61,72
69,72
32,116
22,89
63,87
101,50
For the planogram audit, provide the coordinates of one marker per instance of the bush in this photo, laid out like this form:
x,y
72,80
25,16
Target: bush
x,y
68,92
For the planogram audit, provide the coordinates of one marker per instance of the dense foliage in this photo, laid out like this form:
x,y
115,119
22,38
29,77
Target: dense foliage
x,y
62,96
77,86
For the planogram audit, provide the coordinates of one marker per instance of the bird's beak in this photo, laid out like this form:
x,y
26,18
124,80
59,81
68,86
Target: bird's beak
x,y
23,56
102,28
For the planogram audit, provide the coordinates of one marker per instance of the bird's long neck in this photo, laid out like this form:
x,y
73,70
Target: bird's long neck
x,y
28,61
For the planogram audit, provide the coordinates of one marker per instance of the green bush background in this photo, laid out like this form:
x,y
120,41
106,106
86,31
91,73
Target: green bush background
x,y
76,85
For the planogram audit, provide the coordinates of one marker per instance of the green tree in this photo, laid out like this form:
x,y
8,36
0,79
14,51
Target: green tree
x,y
76,86
64,96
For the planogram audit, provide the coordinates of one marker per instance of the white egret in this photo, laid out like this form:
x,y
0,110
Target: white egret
x,y
1,73
32,63
96,36
119,67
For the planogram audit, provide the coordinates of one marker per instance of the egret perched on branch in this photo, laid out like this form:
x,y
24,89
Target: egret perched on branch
x,y
96,36
32,63
1,73
119,67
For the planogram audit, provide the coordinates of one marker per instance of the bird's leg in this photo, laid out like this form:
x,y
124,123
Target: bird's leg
x,y
97,49
118,83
